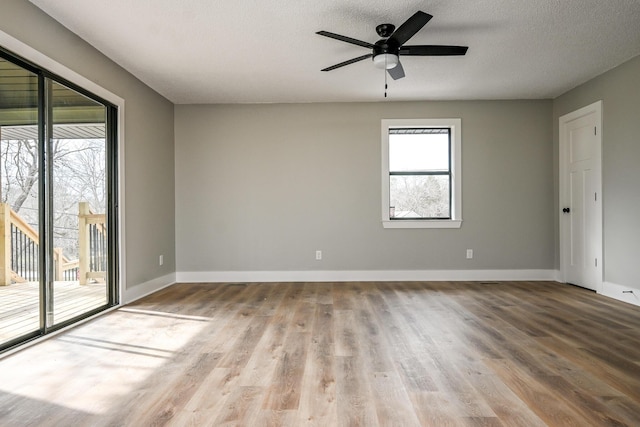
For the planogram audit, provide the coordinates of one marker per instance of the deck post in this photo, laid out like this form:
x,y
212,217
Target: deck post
x,y
83,242
5,244
57,264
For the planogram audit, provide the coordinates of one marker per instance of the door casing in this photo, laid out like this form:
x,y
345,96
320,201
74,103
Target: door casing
x,y
564,193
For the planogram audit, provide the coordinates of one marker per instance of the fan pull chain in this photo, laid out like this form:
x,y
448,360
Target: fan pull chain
x,y
385,76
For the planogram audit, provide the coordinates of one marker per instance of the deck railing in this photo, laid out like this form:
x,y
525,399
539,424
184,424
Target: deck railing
x,y
92,248
24,250
19,249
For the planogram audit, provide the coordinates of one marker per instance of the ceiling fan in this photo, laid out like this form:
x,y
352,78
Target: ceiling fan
x,y
386,51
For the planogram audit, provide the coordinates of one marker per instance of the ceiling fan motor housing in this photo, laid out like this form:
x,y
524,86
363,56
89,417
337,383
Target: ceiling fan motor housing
x,y
386,46
389,49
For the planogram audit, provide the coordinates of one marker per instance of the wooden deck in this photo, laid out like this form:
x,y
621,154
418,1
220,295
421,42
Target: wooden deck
x,y
20,302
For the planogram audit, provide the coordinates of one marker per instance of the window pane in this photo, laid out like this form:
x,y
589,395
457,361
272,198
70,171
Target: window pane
x,y
418,152
19,183
419,196
78,150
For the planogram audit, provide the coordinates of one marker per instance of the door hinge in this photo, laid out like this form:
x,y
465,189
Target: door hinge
x,y
596,262
595,196
595,130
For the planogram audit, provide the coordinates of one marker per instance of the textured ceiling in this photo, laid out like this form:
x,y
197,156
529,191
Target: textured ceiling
x,y
242,51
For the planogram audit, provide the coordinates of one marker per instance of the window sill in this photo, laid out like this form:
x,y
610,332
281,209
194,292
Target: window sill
x,y
447,223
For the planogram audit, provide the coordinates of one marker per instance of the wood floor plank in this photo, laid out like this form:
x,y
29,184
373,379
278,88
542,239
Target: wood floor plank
x,y
259,368
344,335
337,354
176,393
483,422
405,348
355,404
436,409
544,402
445,374
318,396
274,418
623,407
507,406
392,403
207,403
241,407
286,388
615,378
588,406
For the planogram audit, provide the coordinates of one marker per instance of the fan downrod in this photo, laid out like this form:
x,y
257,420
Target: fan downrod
x,y
385,30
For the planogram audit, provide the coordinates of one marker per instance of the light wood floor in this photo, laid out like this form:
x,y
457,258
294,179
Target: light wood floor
x,y
341,354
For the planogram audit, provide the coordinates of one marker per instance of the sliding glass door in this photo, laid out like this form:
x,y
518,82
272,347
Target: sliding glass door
x,y
77,160
58,260
20,243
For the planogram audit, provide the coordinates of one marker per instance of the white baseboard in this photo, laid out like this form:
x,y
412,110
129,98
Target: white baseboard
x,y
147,288
362,276
621,293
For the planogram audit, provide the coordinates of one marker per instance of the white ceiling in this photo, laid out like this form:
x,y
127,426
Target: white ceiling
x,y
242,51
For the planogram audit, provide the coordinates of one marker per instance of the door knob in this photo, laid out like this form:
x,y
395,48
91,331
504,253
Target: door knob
x,y
566,210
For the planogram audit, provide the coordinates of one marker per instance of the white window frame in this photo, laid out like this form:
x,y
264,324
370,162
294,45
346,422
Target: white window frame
x,y
456,172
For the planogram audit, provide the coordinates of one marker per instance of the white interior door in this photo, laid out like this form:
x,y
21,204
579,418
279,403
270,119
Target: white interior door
x,y
580,197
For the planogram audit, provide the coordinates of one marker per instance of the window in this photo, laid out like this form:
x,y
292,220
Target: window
x,y
421,173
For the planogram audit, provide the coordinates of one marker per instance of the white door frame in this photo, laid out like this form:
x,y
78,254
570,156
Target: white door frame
x,y
563,196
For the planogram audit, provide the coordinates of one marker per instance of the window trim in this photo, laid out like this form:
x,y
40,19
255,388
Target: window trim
x,y
455,126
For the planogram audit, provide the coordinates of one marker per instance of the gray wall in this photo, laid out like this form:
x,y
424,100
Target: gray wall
x,y
261,187
619,90
149,152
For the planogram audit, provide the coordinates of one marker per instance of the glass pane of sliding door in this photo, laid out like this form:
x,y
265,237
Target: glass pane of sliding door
x,y
20,296
78,164
58,256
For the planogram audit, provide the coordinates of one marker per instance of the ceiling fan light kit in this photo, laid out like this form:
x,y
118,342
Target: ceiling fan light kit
x,y
385,60
386,52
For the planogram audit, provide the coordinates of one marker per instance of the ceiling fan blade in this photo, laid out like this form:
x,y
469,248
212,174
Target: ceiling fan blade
x,y
433,50
351,61
345,39
396,72
411,26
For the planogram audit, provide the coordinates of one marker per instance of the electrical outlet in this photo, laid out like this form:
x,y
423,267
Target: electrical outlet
x,y
161,259
469,253
318,255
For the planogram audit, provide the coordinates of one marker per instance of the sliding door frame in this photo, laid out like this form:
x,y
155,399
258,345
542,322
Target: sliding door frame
x,y
114,183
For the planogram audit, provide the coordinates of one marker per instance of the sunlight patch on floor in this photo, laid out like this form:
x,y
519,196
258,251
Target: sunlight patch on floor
x,y
106,366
